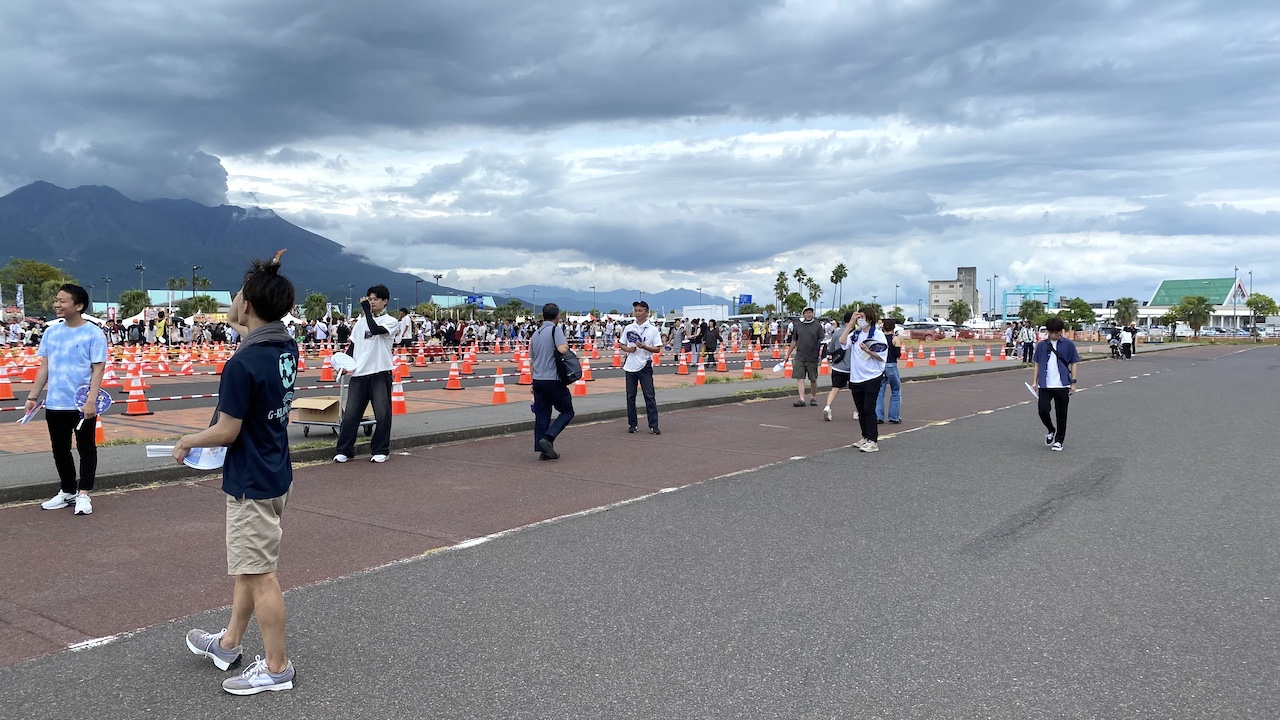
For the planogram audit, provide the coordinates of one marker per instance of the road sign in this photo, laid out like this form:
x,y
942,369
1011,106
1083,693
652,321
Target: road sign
x,y
744,299
475,300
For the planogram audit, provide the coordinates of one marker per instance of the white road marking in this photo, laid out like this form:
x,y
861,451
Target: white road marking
x,y
96,642
780,427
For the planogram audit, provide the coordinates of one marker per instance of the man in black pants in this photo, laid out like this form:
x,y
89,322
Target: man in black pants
x,y
75,355
1056,360
371,379
548,391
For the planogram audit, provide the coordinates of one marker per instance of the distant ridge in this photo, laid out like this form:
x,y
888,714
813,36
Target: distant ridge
x,y
94,231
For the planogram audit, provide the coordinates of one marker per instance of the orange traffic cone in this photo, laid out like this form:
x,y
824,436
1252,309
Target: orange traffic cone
x,y
754,355
777,353
933,357
526,373
99,435
586,369
722,364
657,359
137,403
326,370
683,368
398,404
6,388
466,364
746,370
499,389
910,362
187,369
786,369
580,387
825,367
1003,354
455,382
970,354
952,359
617,357
302,362
987,357
420,360
701,377
109,379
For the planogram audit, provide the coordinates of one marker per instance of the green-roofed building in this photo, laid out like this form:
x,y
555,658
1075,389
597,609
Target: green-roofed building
x,y
1171,292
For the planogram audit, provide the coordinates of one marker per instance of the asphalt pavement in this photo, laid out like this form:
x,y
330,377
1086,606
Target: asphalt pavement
x,y
964,571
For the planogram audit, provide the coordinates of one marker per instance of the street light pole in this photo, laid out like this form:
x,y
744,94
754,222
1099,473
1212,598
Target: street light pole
x,y
1235,298
895,297
699,295
140,268
107,279
593,298
994,278
194,268
351,300
416,282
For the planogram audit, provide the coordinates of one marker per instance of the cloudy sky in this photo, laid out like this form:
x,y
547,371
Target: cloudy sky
x,y
647,144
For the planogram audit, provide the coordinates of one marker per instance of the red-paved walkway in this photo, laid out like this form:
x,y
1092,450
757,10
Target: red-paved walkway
x,y
148,556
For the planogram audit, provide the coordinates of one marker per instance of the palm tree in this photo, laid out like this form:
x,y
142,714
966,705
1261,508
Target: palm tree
x,y
1030,309
781,288
958,312
837,278
1126,310
178,284
800,277
815,291
1196,311
202,283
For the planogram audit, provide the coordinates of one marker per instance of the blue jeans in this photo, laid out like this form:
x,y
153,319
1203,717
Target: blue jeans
x,y
548,394
643,376
894,387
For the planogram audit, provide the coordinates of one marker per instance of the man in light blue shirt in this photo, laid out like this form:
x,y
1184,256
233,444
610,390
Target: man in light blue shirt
x,y
75,355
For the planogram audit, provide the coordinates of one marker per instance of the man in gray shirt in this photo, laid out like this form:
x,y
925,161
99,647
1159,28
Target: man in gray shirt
x,y
806,340
548,393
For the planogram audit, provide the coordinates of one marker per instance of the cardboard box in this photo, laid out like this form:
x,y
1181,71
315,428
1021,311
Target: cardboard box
x,y
323,409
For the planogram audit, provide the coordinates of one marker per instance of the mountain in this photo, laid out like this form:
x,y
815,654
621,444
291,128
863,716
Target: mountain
x,y
620,300
94,232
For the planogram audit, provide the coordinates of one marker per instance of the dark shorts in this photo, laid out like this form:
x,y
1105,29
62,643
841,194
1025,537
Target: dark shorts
x,y
839,380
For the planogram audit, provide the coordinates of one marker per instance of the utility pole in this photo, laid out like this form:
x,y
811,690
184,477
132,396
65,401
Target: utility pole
x,y
593,297
141,268
416,282
194,268
107,279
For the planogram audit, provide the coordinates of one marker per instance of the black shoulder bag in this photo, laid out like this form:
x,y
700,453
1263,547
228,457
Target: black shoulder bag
x,y
568,366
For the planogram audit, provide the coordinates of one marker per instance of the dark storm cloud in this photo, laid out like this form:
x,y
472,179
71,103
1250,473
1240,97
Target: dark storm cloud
x,y
243,79
292,156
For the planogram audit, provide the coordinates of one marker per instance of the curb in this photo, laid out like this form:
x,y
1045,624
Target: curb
x,y
175,473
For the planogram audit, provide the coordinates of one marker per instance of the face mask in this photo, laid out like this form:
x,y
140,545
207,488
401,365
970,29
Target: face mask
x,y
862,323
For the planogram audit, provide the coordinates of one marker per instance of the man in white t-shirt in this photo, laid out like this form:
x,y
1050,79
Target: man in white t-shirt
x,y
1056,360
403,335
640,340
371,378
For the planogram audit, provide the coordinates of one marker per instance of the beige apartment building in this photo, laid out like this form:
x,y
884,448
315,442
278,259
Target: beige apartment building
x,y
964,287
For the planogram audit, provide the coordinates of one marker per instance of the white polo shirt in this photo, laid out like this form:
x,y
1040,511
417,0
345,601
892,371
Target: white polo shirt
x,y
647,334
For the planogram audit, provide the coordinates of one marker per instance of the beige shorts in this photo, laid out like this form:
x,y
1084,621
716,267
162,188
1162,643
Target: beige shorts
x,y
253,535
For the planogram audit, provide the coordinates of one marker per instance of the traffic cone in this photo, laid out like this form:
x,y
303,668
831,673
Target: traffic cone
x,y
466,364
910,362
683,368
526,374
701,377
138,379
137,403
187,369
398,404
970,354
326,370
580,387
777,353
302,362
595,351
617,357
657,359
722,364
1003,355
6,388
109,379
952,359
825,367
987,357
586,369
933,357
99,435
499,389
455,382
786,369
420,360
755,359
746,370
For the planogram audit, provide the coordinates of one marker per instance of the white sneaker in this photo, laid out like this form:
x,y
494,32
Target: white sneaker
x,y
59,501
855,414
870,447
340,458
826,413
83,505
1056,447
378,458
860,443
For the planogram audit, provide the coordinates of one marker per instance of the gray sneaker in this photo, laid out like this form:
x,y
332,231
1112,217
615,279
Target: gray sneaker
x,y
256,678
206,644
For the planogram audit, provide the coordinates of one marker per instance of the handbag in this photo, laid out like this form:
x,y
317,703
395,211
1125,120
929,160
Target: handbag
x,y
568,366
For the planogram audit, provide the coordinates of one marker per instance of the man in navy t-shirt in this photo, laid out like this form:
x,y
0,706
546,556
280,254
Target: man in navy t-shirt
x,y
254,398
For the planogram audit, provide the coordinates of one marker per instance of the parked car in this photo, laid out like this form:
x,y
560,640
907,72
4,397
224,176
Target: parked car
x,y
965,333
926,330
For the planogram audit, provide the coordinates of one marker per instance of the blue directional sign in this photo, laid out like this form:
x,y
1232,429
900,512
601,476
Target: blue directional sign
x,y
744,299
475,299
